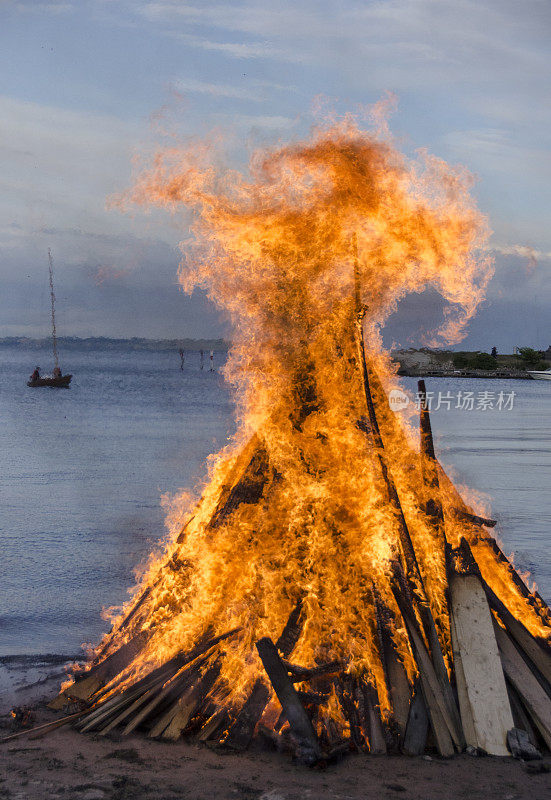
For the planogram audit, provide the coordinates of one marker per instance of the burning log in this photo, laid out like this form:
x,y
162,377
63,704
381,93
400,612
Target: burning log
x,y
299,674
104,672
370,716
412,567
308,749
534,598
178,717
535,699
242,729
443,727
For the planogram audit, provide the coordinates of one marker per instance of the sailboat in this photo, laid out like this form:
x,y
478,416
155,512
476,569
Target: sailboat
x,y
56,380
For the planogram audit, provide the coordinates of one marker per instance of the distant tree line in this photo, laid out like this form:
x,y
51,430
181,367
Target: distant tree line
x,y
527,356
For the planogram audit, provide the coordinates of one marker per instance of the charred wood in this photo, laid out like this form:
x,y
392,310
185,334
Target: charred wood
x,y
242,729
417,726
299,674
308,749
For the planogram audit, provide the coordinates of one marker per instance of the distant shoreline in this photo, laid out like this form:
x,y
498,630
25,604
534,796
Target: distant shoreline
x,y
517,375
68,343
412,363
427,363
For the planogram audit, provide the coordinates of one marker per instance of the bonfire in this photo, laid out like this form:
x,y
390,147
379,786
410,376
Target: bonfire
x,y
331,590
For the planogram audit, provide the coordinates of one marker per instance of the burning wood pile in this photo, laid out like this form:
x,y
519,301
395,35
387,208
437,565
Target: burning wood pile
x,y
331,591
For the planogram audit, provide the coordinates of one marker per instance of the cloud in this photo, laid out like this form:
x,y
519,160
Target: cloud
x,y
522,250
60,166
500,150
41,7
240,50
254,90
447,32
219,89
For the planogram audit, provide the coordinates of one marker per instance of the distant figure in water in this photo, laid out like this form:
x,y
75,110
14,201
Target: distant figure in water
x,y
202,357
212,360
182,357
57,372
36,374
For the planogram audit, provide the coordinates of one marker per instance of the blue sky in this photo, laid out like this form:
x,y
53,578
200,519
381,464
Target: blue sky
x,y
87,85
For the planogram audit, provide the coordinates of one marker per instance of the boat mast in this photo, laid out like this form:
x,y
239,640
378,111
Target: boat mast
x,y
52,296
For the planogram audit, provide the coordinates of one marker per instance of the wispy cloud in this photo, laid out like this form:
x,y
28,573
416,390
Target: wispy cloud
x,y
521,250
239,50
499,150
256,91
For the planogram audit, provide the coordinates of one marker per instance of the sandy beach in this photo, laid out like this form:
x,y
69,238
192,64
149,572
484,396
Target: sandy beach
x,y
66,764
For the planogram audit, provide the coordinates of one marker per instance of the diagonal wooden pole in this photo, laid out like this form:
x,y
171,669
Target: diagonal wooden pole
x,y
413,571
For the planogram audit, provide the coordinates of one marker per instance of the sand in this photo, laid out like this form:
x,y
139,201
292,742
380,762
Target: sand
x,y
67,764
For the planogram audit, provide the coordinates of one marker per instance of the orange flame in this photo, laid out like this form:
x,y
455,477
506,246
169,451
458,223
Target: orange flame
x,y
275,251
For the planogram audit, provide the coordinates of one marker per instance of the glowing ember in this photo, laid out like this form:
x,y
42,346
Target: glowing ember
x,y
298,508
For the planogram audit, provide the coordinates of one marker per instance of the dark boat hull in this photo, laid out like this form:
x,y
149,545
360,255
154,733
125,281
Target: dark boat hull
x,y
54,383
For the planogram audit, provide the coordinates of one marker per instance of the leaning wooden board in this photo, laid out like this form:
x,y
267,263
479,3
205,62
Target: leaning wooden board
x,y
521,676
483,699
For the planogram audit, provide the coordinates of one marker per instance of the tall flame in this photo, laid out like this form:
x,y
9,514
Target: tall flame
x,y
277,251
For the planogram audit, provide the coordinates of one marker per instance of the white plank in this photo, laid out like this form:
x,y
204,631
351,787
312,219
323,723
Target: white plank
x,y
483,698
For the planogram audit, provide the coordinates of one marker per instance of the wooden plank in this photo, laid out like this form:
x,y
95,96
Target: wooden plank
x,y
429,466
442,722
191,701
213,725
348,701
129,710
539,653
159,695
101,711
396,678
533,696
399,686
83,688
39,730
534,598
461,686
375,733
242,729
484,703
308,750
164,721
417,726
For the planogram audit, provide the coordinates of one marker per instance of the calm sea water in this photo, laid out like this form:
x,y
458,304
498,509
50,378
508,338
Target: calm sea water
x,y
82,472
